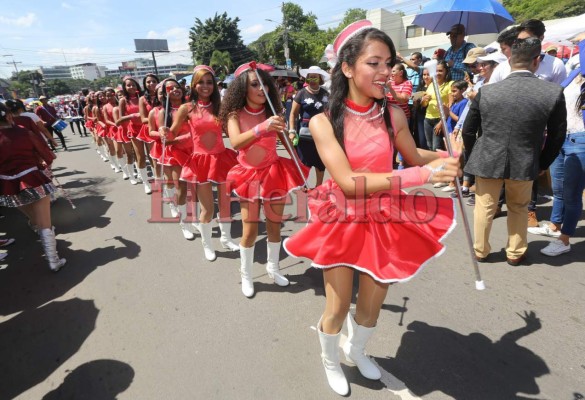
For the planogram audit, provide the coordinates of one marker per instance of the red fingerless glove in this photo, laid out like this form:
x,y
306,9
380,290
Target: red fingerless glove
x,y
261,129
412,176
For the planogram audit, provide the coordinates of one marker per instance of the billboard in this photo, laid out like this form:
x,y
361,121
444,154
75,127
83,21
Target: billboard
x,y
151,45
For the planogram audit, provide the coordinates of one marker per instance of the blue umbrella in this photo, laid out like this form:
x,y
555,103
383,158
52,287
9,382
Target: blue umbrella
x,y
478,16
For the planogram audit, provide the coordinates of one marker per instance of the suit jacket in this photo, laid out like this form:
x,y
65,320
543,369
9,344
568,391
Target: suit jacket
x,y
511,117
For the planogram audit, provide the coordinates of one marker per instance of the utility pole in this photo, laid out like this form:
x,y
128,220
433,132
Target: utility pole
x,y
285,34
13,62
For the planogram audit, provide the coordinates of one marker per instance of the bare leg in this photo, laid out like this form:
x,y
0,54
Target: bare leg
x,y
338,289
371,296
129,154
39,212
205,197
273,219
250,216
180,185
140,153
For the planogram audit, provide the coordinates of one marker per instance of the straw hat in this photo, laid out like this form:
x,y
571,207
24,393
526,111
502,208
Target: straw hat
x,y
473,54
314,70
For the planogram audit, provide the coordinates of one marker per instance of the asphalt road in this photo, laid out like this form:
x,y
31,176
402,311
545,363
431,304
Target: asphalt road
x,y
137,313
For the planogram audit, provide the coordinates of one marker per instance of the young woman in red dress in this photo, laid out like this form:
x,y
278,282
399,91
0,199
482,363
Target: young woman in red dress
x,y
101,131
179,147
261,177
210,161
146,102
360,219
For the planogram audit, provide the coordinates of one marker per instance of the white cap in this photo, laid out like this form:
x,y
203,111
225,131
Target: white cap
x,y
496,57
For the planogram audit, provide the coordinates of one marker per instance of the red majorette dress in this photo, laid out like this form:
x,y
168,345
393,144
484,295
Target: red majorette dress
x,y
135,124
143,134
89,124
388,237
156,149
178,153
261,173
99,129
22,180
111,131
210,160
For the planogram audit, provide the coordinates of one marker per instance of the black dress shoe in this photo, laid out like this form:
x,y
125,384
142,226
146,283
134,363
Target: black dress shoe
x,y
514,262
481,259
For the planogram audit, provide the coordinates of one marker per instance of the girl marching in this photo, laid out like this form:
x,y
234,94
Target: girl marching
x,y
131,123
261,177
210,160
101,131
359,221
146,102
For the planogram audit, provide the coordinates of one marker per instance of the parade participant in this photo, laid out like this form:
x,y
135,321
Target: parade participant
x,y
308,102
210,160
261,177
48,114
90,122
178,150
131,123
21,116
146,102
352,226
23,185
115,133
101,131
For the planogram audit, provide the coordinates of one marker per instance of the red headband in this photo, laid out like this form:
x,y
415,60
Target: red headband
x,y
251,66
350,31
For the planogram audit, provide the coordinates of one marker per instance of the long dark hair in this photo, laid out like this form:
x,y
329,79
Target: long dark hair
x,y
169,116
350,52
138,90
235,97
150,99
215,96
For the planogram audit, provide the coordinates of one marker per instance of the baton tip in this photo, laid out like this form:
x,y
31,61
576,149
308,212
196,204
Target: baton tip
x,y
479,285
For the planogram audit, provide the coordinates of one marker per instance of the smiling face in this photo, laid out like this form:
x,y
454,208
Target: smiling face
x,y
254,94
130,87
204,87
150,83
398,74
174,91
370,72
441,73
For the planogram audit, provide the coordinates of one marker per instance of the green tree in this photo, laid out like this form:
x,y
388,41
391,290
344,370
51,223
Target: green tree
x,y
107,81
522,10
56,87
221,62
217,33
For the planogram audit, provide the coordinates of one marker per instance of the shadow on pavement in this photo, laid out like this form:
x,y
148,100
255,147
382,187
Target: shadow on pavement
x,y
26,283
95,380
68,173
436,359
36,342
88,214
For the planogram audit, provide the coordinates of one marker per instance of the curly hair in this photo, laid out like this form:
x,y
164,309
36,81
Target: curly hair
x,y
349,54
215,97
236,96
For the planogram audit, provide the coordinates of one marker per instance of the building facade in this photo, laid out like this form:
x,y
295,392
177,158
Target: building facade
x,y
140,67
88,71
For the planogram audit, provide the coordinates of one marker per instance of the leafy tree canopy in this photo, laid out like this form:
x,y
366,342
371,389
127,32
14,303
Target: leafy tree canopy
x,y
522,10
218,33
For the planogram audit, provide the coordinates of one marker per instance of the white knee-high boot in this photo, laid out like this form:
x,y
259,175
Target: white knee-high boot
x,y
247,260
330,358
205,230
172,205
50,247
354,349
144,178
226,237
187,234
272,267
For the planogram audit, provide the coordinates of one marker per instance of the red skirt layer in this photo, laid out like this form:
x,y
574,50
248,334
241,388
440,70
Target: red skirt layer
x,y
202,167
122,135
89,124
270,183
144,135
32,179
391,237
100,130
133,130
173,155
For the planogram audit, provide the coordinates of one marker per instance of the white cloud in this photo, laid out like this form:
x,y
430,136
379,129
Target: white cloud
x,y
66,6
21,22
253,29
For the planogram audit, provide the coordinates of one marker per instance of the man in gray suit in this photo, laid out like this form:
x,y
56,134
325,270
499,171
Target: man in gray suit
x,y
510,147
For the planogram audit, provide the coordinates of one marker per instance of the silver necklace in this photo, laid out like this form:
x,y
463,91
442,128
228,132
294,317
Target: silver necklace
x,y
365,113
203,105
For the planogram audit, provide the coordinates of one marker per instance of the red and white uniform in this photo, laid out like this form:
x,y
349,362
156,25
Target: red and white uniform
x,y
389,237
143,133
261,173
210,161
132,127
156,150
111,131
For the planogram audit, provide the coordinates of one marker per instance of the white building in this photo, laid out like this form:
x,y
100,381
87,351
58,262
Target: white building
x,y
89,71
57,72
140,67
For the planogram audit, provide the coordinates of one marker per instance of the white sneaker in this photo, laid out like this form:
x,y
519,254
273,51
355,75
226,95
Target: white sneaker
x,y
440,185
448,188
556,248
544,230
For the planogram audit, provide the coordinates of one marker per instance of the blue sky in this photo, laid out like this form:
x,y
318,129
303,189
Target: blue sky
x,y
49,32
